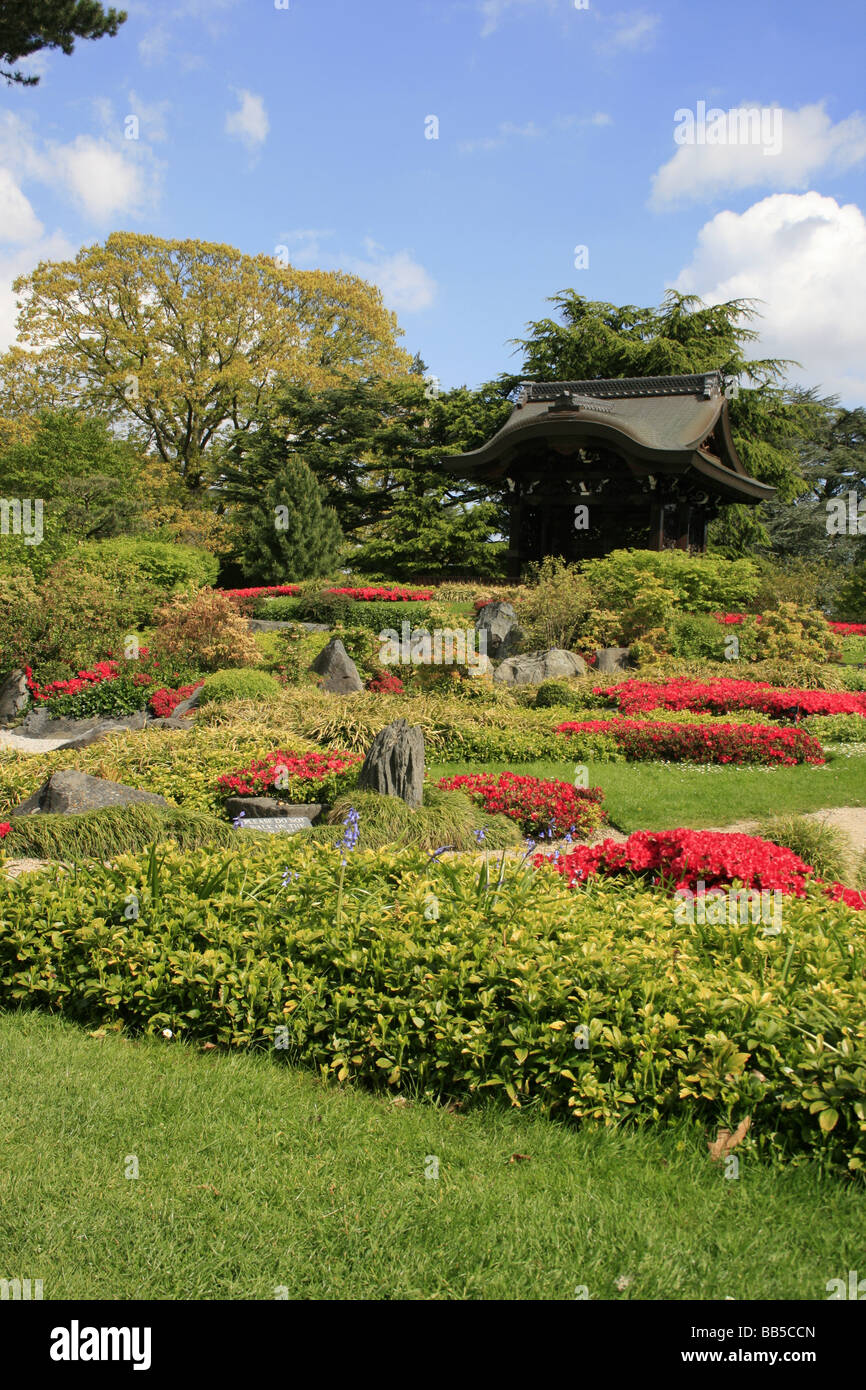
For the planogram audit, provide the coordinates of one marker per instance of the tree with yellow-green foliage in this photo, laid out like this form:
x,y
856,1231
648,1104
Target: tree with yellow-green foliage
x,y
179,343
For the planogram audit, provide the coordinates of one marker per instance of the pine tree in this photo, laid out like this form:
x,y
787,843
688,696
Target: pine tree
x,y
285,531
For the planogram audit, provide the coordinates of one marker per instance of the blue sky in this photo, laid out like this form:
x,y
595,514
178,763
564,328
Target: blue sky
x,y
306,127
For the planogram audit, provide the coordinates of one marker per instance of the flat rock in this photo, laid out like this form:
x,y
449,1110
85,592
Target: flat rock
x,y
277,825
14,696
94,735
337,669
394,766
499,622
39,724
533,668
72,792
268,807
610,659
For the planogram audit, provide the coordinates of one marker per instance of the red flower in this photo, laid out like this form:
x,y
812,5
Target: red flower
x,y
539,807
704,743
4,829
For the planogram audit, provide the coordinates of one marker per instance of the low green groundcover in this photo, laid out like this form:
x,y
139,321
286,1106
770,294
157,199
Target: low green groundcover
x,y
440,978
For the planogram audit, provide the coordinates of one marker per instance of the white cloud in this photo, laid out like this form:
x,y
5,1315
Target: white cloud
x,y
103,181
630,31
406,286
14,263
18,221
250,122
804,255
809,142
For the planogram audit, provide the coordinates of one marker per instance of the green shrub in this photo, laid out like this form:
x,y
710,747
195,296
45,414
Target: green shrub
x,y
115,830
836,728
698,636
795,634
699,583
440,980
552,609
63,624
850,607
280,608
155,567
239,683
820,844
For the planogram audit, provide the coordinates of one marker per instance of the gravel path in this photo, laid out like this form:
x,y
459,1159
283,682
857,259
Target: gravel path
x,y
19,743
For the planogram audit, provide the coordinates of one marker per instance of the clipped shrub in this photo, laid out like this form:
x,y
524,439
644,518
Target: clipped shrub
x,y
239,683
203,631
837,728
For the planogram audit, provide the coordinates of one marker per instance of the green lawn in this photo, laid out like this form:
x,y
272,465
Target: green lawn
x,y
661,796
253,1176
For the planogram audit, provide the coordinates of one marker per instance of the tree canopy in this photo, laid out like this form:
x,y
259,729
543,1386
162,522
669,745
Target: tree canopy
x,y
180,343
375,447
26,26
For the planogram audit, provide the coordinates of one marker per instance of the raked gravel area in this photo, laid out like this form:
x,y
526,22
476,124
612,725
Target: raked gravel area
x,y
19,743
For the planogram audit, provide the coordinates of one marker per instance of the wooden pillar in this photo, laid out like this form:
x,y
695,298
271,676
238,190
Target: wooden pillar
x,y
657,526
684,513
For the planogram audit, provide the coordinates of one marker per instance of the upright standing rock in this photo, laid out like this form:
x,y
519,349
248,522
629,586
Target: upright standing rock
x,y
337,669
394,765
14,696
503,632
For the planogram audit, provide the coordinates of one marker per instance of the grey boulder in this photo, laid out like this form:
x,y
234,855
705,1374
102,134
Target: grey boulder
x,y
14,696
533,668
394,766
610,659
337,669
71,792
503,632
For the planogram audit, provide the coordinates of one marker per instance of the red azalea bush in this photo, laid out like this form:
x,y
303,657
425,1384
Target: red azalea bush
x,y
681,859
295,775
849,629
263,590
647,739
164,701
385,683
4,829
102,671
551,808
723,695
392,595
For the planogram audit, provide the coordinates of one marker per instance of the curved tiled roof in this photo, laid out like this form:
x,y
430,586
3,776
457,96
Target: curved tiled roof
x,y
662,421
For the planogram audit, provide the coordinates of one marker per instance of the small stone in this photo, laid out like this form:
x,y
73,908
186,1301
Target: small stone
x,y
611,659
277,825
258,807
